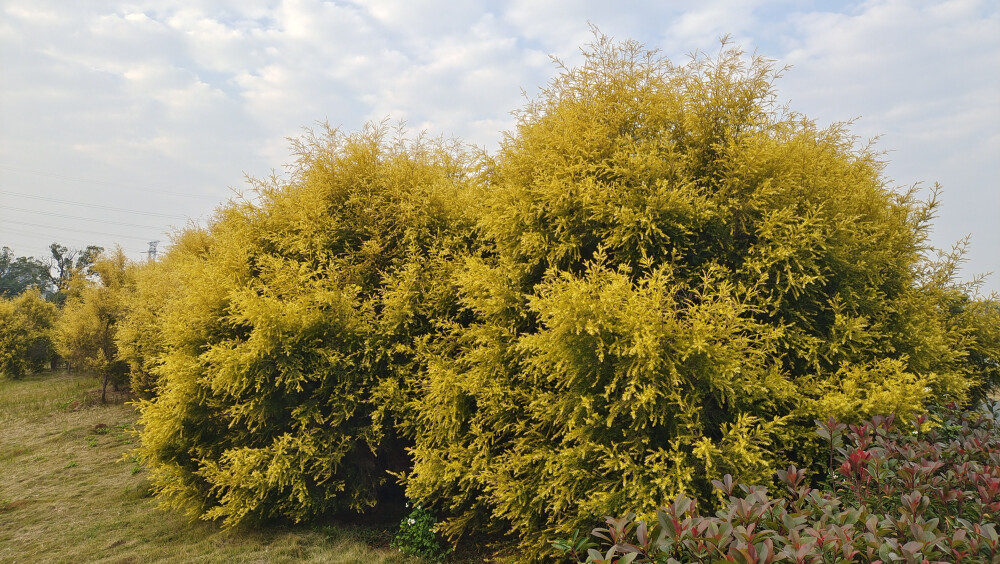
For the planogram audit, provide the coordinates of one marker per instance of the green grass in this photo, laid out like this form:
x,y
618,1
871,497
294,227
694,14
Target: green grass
x,y
67,493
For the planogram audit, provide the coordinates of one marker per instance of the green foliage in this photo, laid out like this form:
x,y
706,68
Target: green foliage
x,y
288,334
70,264
21,273
678,275
416,536
25,333
575,546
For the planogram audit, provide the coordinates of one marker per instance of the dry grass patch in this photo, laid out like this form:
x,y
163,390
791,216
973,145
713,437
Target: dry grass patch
x,y
69,493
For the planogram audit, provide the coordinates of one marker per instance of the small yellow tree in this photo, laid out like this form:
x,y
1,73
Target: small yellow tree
x,y
25,333
85,331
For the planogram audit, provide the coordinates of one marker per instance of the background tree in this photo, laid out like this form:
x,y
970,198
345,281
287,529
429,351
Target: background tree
x,y
67,265
21,273
85,332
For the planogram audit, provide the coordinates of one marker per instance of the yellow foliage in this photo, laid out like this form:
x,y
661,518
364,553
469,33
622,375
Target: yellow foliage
x,y
286,326
677,276
25,333
662,277
880,387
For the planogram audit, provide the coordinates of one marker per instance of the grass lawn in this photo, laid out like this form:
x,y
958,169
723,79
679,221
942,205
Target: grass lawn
x,y
67,494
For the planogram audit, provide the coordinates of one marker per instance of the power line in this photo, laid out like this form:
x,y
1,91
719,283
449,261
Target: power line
x,y
86,205
7,230
104,182
22,232
75,229
13,237
67,216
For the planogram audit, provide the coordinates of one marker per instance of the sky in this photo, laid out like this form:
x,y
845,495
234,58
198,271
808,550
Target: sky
x,y
121,121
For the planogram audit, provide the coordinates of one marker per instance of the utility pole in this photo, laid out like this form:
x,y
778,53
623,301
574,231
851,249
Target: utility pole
x,y
151,253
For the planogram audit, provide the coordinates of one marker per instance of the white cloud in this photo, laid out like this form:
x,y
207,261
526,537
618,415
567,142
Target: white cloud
x,y
32,13
916,73
194,93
